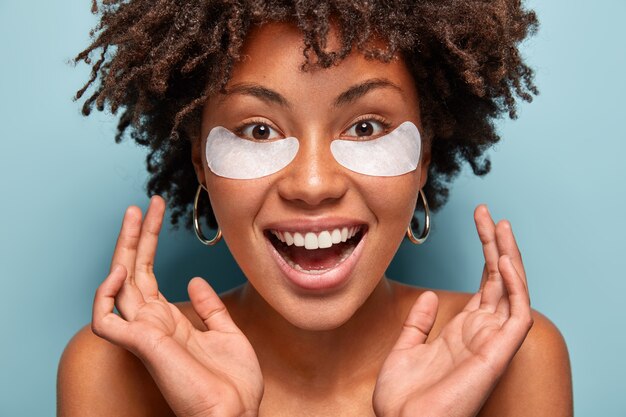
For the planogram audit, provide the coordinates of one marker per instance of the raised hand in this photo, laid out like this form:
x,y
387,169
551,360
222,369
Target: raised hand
x,y
212,372
453,374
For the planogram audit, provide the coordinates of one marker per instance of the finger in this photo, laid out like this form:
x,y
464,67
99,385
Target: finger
x,y
487,234
125,254
493,291
507,245
492,287
419,321
104,322
503,310
209,307
519,301
484,277
128,300
126,246
473,303
146,249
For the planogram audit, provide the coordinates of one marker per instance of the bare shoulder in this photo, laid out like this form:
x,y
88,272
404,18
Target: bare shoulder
x,y
230,299
450,303
96,378
538,380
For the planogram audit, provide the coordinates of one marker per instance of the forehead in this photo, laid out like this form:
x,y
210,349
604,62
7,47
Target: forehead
x,y
273,55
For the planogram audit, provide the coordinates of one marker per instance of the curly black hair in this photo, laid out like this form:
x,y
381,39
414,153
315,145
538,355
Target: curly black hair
x,y
159,61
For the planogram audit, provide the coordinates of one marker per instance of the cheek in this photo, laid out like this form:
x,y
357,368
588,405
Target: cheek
x,y
392,199
236,202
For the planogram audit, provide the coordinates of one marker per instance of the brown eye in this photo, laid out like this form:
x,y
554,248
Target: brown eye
x,y
365,128
259,131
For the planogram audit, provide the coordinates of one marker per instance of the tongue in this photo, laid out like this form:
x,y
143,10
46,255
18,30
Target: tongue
x,y
316,259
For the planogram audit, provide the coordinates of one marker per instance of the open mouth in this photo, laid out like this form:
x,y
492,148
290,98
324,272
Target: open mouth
x,y
316,252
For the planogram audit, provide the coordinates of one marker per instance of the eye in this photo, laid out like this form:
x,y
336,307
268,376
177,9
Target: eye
x,y
366,128
259,131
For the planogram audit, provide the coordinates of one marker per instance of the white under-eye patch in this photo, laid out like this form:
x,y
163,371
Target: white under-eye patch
x,y
396,153
230,156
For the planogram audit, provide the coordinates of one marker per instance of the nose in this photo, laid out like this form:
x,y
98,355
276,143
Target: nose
x,y
313,178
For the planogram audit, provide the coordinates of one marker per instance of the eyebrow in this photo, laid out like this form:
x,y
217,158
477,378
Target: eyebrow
x,y
359,90
258,91
349,96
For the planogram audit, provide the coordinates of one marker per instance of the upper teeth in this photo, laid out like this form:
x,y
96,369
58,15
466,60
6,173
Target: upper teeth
x,y
321,240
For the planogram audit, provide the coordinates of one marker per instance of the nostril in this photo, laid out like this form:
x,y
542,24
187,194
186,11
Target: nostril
x,y
311,188
314,177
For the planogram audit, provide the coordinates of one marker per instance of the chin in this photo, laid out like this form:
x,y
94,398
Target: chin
x,y
318,322
319,314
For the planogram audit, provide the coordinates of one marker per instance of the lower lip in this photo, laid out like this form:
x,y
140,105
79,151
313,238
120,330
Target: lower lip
x,y
332,279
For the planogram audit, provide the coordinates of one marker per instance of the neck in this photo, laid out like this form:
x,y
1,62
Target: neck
x,y
328,359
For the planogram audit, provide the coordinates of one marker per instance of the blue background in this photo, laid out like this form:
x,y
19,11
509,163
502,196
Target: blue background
x,y
557,175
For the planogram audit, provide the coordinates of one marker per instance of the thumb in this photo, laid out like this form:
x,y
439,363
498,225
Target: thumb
x,y
209,307
419,321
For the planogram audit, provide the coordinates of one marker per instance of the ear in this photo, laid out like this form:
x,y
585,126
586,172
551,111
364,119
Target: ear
x,y
425,165
196,158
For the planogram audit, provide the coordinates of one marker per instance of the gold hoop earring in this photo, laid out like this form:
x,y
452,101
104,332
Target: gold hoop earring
x,y
426,231
196,222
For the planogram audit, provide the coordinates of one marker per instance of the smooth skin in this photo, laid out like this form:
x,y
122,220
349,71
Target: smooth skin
x,y
216,366
373,347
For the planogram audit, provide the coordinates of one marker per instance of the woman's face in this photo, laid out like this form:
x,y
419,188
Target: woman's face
x,y
269,97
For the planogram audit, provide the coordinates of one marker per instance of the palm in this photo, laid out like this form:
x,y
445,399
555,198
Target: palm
x,y
227,354
199,372
453,373
468,335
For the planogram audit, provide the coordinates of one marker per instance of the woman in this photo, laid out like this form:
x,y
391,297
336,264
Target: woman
x,y
314,129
